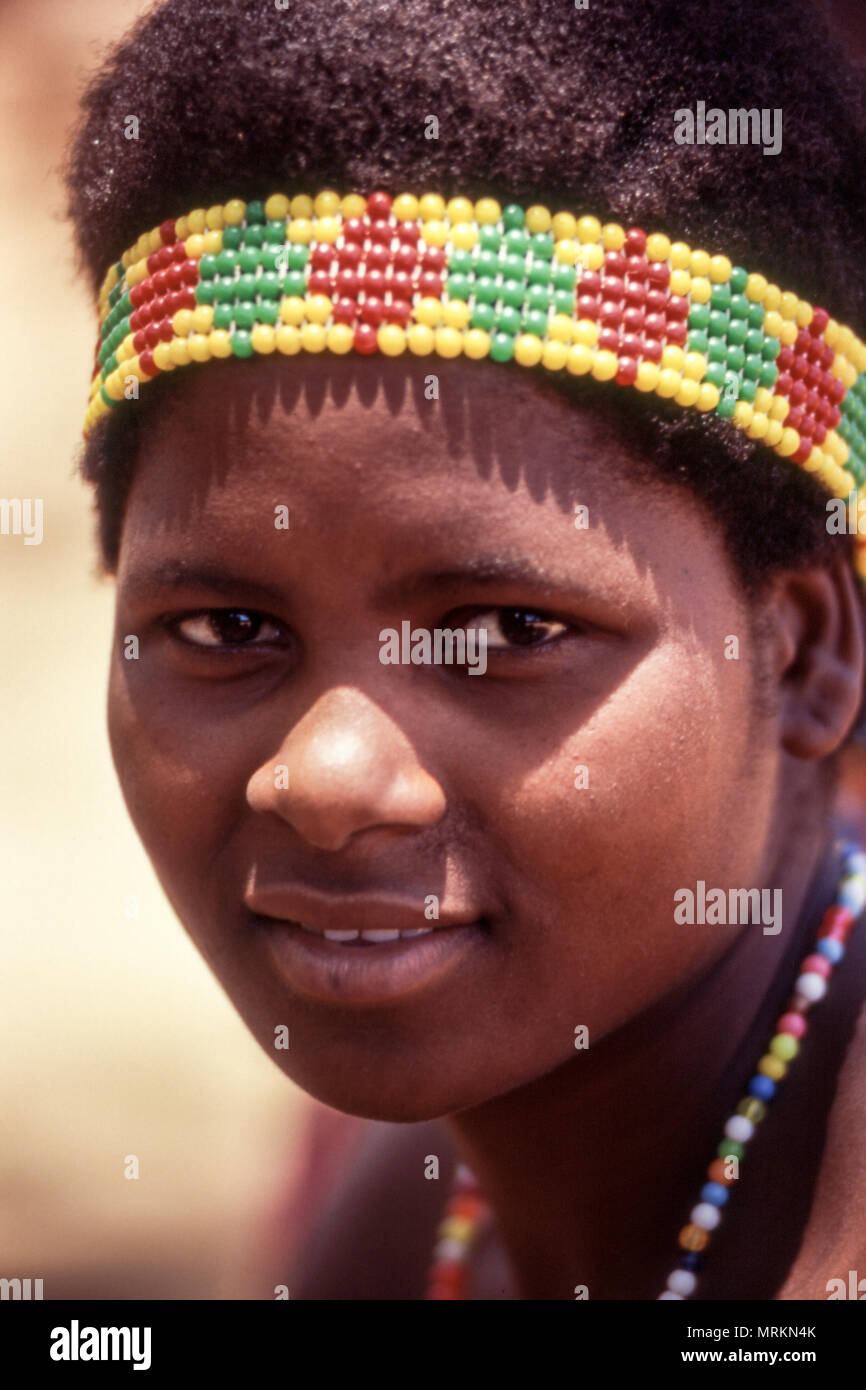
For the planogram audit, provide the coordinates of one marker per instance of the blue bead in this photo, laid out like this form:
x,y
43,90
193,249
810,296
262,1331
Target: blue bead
x,y
691,1259
855,860
830,949
762,1087
714,1193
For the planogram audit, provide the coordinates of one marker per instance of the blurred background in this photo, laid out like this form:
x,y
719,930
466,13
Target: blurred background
x,y
114,1038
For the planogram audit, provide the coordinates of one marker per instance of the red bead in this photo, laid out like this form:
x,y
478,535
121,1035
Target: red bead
x,y
152,262
799,368
160,283
817,965
188,299
136,296
189,272
652,349
785,359
365,338
795,417
656,301
836,390
784,383
139,341
319,282
826,358
637,268
678,307
627,371
636,293
405,258
833,418
677,333
348,283
434,258
803,450
820,319
608,338
635,241
836,918
378,206
792,1023
372,310
166,331
633,319
819,434
398,311
615,263
802,342
659,274
167,232
588,306
321,255
381,232
589,285
611,314
350,255
178,252
345,311
402,285
613,288
173,277
151,335
148,366
797,393
655,325
631,345
430,284
409,232
354,230
378,258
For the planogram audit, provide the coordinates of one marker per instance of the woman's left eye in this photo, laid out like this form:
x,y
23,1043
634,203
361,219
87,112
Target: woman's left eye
x,y
227,627
517,627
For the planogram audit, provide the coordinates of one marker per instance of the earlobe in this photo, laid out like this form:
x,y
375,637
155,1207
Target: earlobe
x,y
820,662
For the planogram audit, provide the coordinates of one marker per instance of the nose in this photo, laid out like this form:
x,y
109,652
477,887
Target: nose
x,y
346,766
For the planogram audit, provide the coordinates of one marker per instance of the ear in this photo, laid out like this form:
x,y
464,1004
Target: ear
x,y
819,657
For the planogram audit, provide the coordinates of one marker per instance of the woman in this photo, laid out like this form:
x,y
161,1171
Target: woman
x,y
465,883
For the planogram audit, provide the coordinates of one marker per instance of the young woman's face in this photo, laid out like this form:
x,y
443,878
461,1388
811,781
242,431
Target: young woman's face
x,y
280,772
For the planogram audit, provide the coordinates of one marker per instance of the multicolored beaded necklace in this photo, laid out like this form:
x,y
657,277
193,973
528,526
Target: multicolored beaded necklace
x,y
468,1214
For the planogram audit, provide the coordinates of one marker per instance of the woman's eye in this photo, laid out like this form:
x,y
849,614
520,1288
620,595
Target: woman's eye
x,y
227,627
517,627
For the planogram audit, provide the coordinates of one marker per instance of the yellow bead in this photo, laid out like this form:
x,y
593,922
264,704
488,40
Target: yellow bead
x,y
155,239
695,366
300,229
194,246
434,233
234,212
528,350
589,229
431,208
816,461
803,313
579,360
326,203
593,256
277,207
429,311
220,342
353,205
788,333
340,339
774,433
182,323
459,210
708,397
831,333
464,236
858,355
773,323
391,339
701,290
554,356
566,252
288,339
788,305
673,357
564,226
327,228
612,236
476,343
743,414
836,447
114,380
263,338
214,218
213,243
688,392
763,399
313,337
202,318
789,443
681,255
293,309
405,207
779,408
182,228
318,308
179,351
126,349
681,281
456,313
669,382
756,288
585,332
772,297
647,376
487,211
700,263
460,1228
301,207
605,365
448,342
720,269
538,219
759,425
419,337
199,348
658,247
561,328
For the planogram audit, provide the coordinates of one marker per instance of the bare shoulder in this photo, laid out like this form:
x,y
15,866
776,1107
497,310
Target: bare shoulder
x,y
374,1236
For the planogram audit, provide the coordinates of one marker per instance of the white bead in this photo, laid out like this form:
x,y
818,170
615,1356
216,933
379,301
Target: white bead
x,y
739,1128
811,986
450,1250
683,1282
667,1294
706,1216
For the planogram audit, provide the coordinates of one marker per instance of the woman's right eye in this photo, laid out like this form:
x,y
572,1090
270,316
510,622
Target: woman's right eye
x,y
228,627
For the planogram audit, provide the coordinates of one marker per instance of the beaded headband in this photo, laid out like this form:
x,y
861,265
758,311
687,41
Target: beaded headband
x,y
376,274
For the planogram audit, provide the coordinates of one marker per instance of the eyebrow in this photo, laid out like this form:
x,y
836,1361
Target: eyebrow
x,y
180,574
487,571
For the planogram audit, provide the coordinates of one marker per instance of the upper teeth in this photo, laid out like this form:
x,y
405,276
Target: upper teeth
x,y
368,935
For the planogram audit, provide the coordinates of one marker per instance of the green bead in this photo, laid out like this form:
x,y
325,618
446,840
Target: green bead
x,y
254,236
720,298
105,396
273,258
513,216
697,340
755,315
275,233
508,321
460,262
718,325
769,374
502,347
539,297
267,311
225,291
206,291
270,286
564,277
771,349
718,350
514,268
458,286
535,322
246,287
699,316
245,315
731,1148
483,316
298,256
249,259
739,307
564,301
716,374
111,364
295,284
242,345
517,241
207,267
735,358
748,390
726,407
222,316
489,238
513,294
739,277
232,238
226,262
541,244
486,290
752,367
754,342
486,263
255,212
540,273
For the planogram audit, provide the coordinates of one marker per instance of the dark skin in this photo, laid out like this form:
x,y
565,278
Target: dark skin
x,y
417,781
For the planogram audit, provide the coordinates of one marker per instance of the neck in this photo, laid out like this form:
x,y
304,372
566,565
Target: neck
x,y
592,1169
